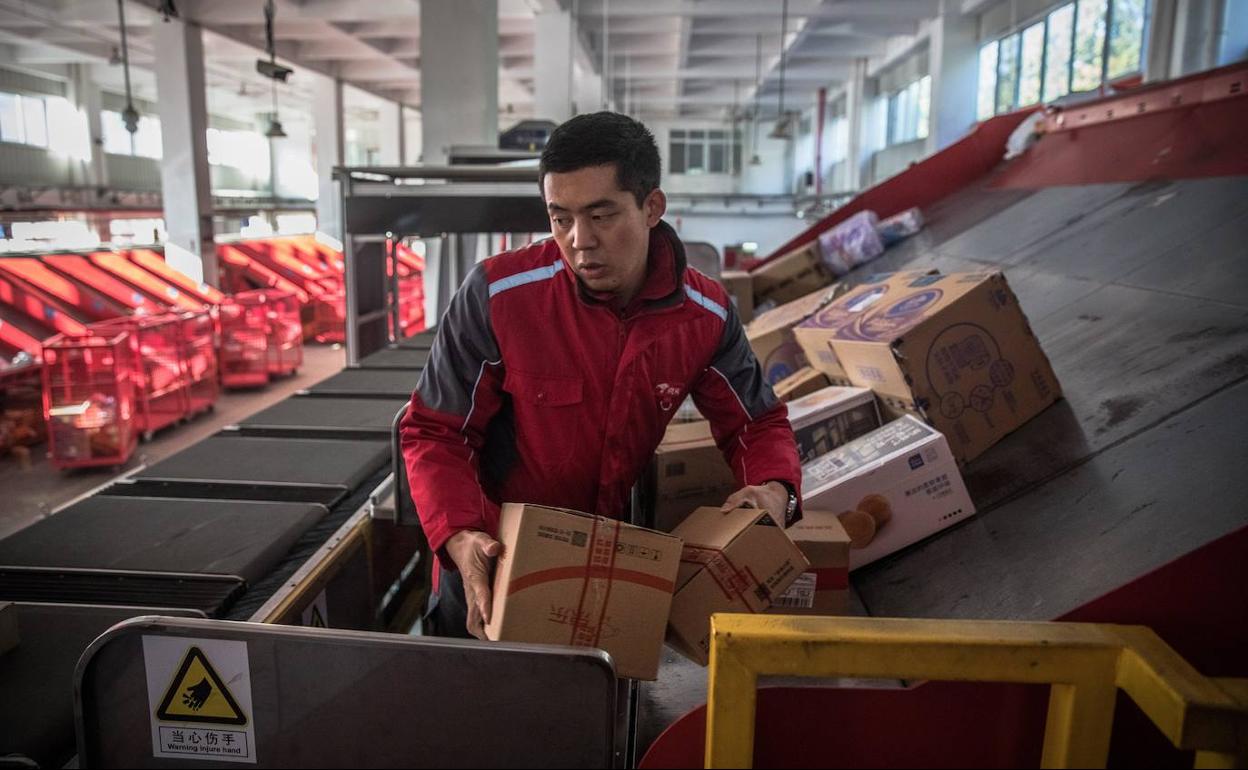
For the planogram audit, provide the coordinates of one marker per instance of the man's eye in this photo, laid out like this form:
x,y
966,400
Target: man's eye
x,y
562,221
602,217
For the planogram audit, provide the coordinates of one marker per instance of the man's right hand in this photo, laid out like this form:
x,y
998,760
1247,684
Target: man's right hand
x,y
473,553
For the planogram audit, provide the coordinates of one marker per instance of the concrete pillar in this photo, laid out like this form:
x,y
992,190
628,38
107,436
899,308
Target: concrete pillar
x,y
954,64
553,66
1199,33
855,118
327,117
184,177
458,75
390,130
1159,53
84,95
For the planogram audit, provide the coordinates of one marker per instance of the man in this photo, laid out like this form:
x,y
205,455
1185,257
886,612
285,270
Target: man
x,y
557,367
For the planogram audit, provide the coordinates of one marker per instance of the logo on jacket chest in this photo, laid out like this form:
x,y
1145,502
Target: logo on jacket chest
x,y
668,396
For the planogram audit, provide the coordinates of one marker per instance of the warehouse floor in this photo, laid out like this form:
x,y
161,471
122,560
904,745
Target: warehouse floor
x,y
35,492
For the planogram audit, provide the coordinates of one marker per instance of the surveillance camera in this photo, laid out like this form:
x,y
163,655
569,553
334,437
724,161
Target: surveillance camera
x,y
273,70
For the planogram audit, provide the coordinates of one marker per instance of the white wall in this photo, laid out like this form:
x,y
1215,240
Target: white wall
x,y
769,232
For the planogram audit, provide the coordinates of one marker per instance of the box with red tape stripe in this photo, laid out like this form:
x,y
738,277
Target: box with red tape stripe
x,y
566,577
738,561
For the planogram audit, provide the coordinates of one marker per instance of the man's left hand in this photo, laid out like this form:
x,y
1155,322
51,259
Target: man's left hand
x,y
771,497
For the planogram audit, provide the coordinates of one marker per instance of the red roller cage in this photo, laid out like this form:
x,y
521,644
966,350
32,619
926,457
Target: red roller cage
x,y
161,381
198,337
89,399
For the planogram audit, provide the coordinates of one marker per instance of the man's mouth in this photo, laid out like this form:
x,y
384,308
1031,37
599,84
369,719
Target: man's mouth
x,y
591,269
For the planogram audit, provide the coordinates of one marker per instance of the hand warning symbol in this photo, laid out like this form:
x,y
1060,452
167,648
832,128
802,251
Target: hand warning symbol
x,y
197,695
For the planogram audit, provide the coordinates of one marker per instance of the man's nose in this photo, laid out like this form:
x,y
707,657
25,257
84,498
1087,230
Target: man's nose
x,y
583,235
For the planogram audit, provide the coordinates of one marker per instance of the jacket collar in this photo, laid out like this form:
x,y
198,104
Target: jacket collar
x,y
665,275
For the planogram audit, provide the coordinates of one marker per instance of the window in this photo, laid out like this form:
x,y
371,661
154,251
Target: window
x,y
144,143
245,150
1007,73
1089,44
23,119
116,138
1064,52
697,151
986,105
908,112
1126,37
1057,53
1032,65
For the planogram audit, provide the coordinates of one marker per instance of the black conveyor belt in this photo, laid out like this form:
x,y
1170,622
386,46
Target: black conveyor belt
x,y
395,358
306,417
209,594
256,468
226,537
367,383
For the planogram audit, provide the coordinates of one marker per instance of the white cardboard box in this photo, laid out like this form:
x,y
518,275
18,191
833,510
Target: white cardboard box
x,y
902,478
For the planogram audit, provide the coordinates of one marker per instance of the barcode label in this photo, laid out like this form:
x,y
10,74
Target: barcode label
x,y
800,595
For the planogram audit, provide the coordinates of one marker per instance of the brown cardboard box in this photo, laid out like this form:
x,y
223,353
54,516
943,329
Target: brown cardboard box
x,y
803,382
956,349
570,578
731,562
771,334
740,287
824,420
823,589
688,472
890,488
791,276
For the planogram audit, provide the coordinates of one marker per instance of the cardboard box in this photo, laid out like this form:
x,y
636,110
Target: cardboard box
x,y
831,417
803,382
890,488
570,578
791,276
771,334
823,589
688,472
731,562
740,287
956,349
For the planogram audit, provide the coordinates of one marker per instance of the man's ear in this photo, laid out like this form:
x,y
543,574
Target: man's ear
x,y
655,206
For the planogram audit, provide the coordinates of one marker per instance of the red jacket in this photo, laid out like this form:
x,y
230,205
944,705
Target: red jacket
x,y
537,392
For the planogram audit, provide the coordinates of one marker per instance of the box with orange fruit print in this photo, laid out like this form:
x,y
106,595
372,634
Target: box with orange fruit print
x,y
890,488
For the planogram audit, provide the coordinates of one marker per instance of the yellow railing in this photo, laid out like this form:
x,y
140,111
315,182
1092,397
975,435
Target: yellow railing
x,y
1084,663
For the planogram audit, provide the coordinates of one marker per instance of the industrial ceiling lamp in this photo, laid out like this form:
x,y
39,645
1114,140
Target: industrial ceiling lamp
x,y
784,127
275,124
129,116
273,70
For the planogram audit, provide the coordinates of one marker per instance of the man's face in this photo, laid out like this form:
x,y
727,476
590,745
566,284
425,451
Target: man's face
x,y
603,234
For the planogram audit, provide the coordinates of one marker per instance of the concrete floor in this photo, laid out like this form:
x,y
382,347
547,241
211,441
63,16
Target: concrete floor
x,y
33,493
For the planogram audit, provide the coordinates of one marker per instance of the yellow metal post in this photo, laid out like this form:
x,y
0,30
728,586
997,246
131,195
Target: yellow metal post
x,y
730,705
1081,717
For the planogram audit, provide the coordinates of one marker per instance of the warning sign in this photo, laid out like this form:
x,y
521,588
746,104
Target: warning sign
x,y
316,614
197,694
200,695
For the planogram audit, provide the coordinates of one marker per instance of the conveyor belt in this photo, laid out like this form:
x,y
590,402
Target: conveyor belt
x,y
1139,295
240,538
421,341
395,358
306,417
36,677
367,383
254,468
208,594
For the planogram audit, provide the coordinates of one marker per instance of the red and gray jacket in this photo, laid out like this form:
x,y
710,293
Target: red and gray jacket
x,y
537,392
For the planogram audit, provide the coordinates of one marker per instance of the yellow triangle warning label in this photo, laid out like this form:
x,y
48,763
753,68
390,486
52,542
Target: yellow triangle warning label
x,y
197,694
316,620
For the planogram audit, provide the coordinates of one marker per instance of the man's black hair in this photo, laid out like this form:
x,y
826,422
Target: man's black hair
x,y
599,139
